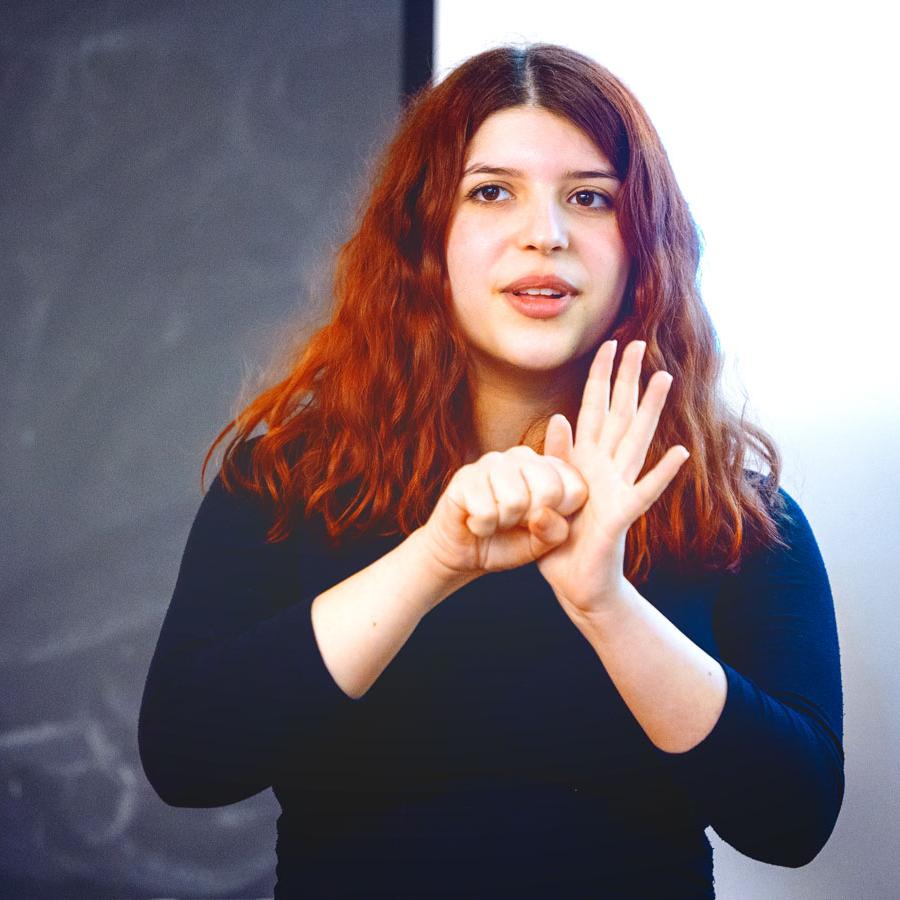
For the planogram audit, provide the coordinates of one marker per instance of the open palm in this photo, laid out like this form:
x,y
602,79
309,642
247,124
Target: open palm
x,y
609,449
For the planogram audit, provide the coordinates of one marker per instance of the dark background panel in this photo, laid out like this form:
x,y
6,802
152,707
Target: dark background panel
x,y
174,177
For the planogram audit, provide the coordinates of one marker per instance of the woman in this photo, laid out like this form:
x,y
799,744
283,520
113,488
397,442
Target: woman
x,y
375,609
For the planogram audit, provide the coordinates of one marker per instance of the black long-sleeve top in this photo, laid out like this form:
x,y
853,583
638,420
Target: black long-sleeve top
x,y
493,757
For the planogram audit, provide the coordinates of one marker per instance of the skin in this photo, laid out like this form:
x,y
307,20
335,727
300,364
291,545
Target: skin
x,y
504,227
578,501
613,435
570,508
511,507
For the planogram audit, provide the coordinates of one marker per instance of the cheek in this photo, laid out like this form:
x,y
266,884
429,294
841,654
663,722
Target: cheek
x,y
459,270
611,258
456,253
621,252
466,257
623,263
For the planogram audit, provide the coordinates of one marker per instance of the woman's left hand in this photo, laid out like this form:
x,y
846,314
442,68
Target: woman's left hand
x,y
609,450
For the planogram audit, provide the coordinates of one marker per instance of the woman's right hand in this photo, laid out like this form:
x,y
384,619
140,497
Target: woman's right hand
x,y
502,511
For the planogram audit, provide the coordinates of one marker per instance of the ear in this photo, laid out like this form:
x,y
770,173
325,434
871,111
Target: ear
x,y
558,441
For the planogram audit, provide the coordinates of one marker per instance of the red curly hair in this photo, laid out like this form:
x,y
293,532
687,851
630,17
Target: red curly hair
x,y
376,412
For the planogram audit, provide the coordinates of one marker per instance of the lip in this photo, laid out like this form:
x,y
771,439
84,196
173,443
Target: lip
x,y
539,307
554,282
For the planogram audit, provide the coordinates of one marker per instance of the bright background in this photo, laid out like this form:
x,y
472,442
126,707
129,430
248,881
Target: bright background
x,y
780,122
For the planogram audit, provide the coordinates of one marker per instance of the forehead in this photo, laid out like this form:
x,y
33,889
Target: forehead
x,y
525,137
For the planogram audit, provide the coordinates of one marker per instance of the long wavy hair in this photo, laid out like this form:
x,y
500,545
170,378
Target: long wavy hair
x,y
376,411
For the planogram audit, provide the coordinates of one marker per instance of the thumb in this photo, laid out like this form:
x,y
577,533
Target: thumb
x,y
548,529
558,439
558,445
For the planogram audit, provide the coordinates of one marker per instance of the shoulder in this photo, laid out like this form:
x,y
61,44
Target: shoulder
x,y
796,544
264,489
232,488
243,453
780,505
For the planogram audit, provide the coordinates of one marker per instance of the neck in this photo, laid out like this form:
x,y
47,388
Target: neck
x,y
506,402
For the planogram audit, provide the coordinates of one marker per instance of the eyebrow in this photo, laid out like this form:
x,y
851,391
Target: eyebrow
x,y
515,173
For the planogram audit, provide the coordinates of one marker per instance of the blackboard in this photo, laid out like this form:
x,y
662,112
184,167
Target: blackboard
x,y
173,179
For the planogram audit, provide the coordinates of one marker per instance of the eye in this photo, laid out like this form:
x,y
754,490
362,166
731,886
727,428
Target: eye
x,y
477,195
605,201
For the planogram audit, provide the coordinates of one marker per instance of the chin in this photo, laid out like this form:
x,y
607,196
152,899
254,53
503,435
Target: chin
x,y
540,360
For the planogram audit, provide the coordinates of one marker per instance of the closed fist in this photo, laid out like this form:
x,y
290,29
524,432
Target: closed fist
x,y
504,510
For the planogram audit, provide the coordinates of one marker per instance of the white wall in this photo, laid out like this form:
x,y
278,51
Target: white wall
x,y
779,119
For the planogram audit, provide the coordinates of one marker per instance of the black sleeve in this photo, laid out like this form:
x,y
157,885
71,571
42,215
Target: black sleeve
x,y
237,686
769,777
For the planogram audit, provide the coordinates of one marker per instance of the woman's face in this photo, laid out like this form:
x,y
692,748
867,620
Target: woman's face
x,y
550,213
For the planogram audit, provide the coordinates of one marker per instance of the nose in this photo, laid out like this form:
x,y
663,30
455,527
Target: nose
x,y
543,227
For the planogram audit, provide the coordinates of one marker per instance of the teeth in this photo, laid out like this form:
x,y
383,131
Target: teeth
x,y
542,292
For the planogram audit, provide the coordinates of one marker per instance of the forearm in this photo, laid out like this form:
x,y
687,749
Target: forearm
x,y
674,689
361,623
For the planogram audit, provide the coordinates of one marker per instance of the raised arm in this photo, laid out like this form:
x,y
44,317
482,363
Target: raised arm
x,y
769,777
263,643
755,732
251,663
236,680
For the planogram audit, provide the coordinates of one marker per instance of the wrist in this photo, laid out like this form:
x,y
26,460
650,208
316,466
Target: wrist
x,y
442,579
600,611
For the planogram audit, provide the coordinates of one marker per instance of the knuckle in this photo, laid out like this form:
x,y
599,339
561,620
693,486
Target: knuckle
x,y
486,518
464,472
513,506
521,450
547,492
577,491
